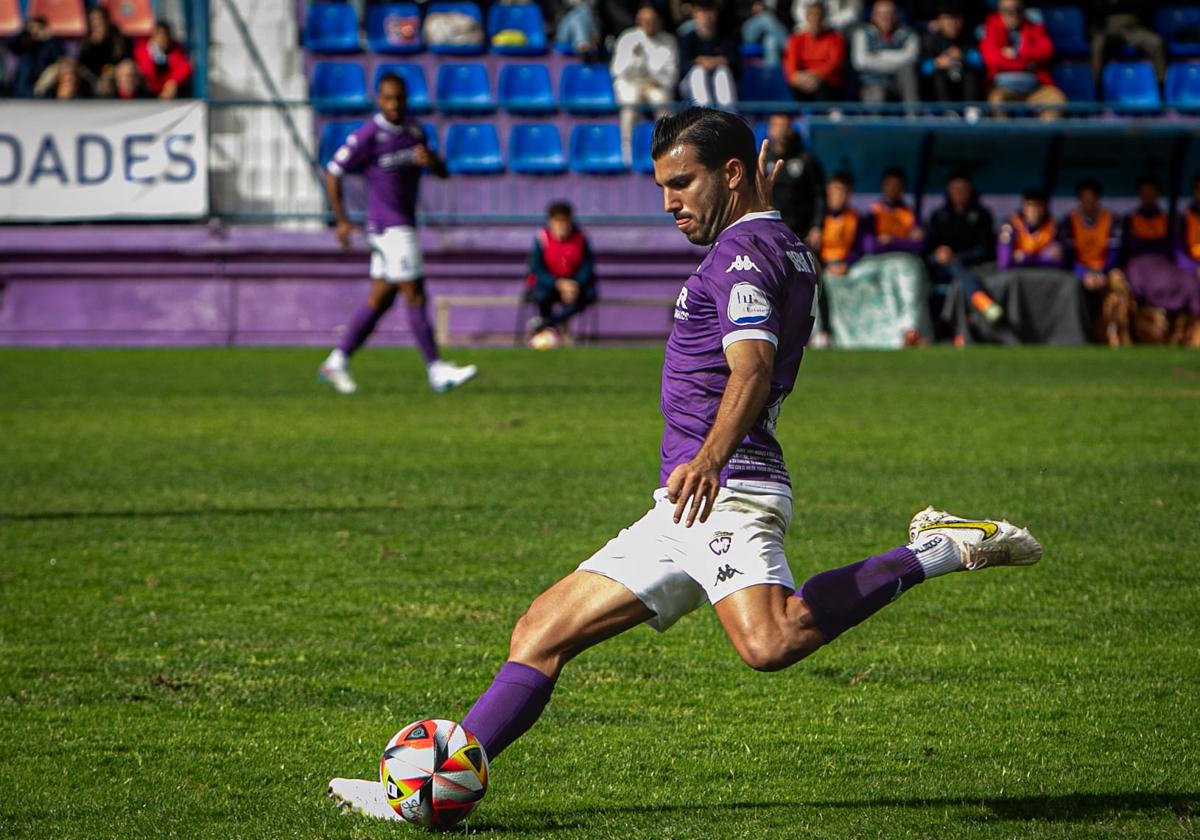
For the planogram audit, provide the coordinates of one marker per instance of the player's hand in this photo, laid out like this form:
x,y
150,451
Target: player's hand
x,y
766,179
422,155
344,231
943,254
693,487
568,289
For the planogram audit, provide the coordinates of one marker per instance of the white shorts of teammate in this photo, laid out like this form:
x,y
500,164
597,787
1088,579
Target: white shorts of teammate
x,y
674,570
396,255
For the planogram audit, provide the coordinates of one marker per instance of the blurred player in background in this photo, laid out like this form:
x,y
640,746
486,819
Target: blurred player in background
x,y
390,150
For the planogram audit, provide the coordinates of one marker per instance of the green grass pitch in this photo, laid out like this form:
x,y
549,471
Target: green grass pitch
x,y
221,584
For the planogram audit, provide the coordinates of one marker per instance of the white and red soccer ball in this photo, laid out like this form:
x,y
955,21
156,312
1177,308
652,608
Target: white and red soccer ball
x,y
434,772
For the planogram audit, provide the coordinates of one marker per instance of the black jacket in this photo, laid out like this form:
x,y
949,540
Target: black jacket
x,y
799,193
971,234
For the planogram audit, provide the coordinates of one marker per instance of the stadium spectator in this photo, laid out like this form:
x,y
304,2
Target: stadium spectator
x,y
885,54
1121,23
579,28
125,82
103,47
762,26
64,79
562,275
163,63
952,49
36,50
962,237
1187,238
894,225
1168,297
842,15
841,233
1091,241
708,59
645,67
1029,237
799,192
815,58
1017,52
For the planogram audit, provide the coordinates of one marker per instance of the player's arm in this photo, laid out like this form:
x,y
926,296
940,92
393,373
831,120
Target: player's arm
x,y
343,228
430,161
698,481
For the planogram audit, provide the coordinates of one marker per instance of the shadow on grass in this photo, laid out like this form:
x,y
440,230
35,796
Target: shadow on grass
x,y
1070,807
42,516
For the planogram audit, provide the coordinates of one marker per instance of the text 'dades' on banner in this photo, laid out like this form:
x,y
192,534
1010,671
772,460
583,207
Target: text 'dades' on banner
x,y
103,160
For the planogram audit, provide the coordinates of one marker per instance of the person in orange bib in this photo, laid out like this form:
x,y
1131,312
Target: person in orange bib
x,y
1029,238
894,225
841,243
1187,235
1168,297
1090,236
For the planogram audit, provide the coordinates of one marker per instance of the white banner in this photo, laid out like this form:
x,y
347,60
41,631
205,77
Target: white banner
x,y
103,160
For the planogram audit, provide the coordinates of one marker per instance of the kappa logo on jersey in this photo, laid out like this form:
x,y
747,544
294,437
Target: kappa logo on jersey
x,y
742,263
802,261
726,573
721,542
748,305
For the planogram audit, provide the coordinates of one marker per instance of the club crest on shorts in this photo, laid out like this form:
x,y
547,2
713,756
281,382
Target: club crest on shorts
x,y
748,305
721,542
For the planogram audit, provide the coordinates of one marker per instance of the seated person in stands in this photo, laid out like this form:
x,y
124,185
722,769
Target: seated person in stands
x,y
1017,52
645,67
103,47
1168,297
799,192
708,59
164,63
65,79
885,55
1091,240
815,58
562,274
952,49
841,233
962,236
894,224
762,26
35,50
1187,237
125,82
1029,237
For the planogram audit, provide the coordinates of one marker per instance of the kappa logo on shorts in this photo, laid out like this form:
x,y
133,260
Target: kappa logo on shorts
x,y
721,542
726,573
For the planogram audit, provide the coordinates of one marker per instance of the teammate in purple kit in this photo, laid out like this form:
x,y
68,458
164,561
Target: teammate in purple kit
x,y
390,150
715,532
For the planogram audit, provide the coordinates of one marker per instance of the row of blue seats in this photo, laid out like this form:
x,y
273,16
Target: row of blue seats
x,y
396,28
1177,25
1132,86
533,148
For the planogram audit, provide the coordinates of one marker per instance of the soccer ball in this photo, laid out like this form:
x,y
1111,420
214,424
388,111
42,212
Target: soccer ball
x,y
434,772
547,339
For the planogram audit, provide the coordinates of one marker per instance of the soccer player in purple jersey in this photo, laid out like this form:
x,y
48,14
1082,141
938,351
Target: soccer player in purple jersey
x,y
715,532
389,150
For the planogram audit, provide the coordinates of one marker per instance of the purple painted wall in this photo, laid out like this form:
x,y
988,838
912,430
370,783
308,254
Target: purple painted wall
x,y
192,285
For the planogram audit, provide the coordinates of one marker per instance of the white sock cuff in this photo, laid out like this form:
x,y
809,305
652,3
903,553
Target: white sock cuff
x,y
937,554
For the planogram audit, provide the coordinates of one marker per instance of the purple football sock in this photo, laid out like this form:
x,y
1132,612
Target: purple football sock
x,y
360,328
418,322
511,705
842,598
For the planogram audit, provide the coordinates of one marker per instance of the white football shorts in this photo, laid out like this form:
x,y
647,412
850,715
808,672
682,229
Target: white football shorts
x,y
396,255
674,570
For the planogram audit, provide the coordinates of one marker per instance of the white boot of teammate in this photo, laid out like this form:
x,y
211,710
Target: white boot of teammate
x,y
979,542
362,796
335,371
446,375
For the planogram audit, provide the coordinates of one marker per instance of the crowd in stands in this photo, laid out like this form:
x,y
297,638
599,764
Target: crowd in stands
x,y
105,63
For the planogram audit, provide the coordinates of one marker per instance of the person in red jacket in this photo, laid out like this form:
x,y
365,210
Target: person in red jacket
x,y
164,63
562,275
814,60
1017,54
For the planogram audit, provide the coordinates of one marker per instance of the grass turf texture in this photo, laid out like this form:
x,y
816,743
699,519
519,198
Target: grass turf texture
x,y
221,584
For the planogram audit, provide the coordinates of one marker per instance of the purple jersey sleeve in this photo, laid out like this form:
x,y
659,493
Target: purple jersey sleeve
x,y
354,154
745,286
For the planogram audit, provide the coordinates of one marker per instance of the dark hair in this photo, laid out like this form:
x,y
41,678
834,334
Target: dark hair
x,y
716,136
648,4
1149,180
1035,194
1088,185
842,176
559,208
392,78
894,172
165,27
959,174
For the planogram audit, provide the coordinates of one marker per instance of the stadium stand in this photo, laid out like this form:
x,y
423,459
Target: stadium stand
x,y
64,17
1068,31
525,89
464,89
1131,87
332,28
1180,28
643,134
1183,87
456,7
586,89
11,21
414,81
536,149
516,29
596,149
763,84
395,29
135,18
1075,79
339,87
473,149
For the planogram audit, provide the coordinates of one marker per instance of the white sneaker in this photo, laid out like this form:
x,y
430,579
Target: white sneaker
x,y
338,377
980,542
446,375
362,796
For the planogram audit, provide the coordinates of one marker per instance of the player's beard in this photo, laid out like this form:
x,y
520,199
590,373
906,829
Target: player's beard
x,y
710,218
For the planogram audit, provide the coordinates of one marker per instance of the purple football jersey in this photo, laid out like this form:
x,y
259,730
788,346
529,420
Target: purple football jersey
x,y
384,153
758,282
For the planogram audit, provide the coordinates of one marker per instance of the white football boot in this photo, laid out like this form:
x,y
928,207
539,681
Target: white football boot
x,y
362,796
338,377
446,375
980,542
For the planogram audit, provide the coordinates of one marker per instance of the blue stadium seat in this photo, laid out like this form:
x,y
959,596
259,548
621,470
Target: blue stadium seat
x,y
1183,86
586,89
536,149
331,28
596,149
431,137
525,89
473,149
464,89
764,84
463,7
339,87
1074,78
333,135
643,134
1131,86
525,18
1179,27
1067,30
387,27
414,80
